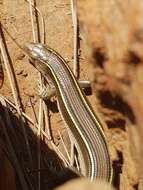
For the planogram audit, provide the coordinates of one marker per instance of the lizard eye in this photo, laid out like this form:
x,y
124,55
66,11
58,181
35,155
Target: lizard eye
x,y
36,49
34,55
39,45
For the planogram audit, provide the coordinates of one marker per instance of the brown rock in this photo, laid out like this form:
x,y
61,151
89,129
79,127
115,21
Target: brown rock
x,y
85,184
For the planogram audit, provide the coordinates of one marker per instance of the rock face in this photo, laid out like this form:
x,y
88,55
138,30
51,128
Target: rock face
x,y
111,56
114,30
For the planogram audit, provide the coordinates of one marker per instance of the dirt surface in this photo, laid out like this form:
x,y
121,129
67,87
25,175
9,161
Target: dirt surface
x,y
111,36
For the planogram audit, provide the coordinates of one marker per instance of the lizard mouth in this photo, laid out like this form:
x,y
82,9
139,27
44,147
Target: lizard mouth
x,y
29,48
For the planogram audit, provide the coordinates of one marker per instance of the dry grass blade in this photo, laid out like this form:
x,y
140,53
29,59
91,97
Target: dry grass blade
x,y
32,19
1,72
66,162
32,22
77,163
42,131
11,149
47,125
72,154
75,40
9,72
13,86
26,117
40,119
67,153
34,112
13,39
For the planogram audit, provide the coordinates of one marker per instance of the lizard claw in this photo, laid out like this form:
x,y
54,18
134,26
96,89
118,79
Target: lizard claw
x,y
46,91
